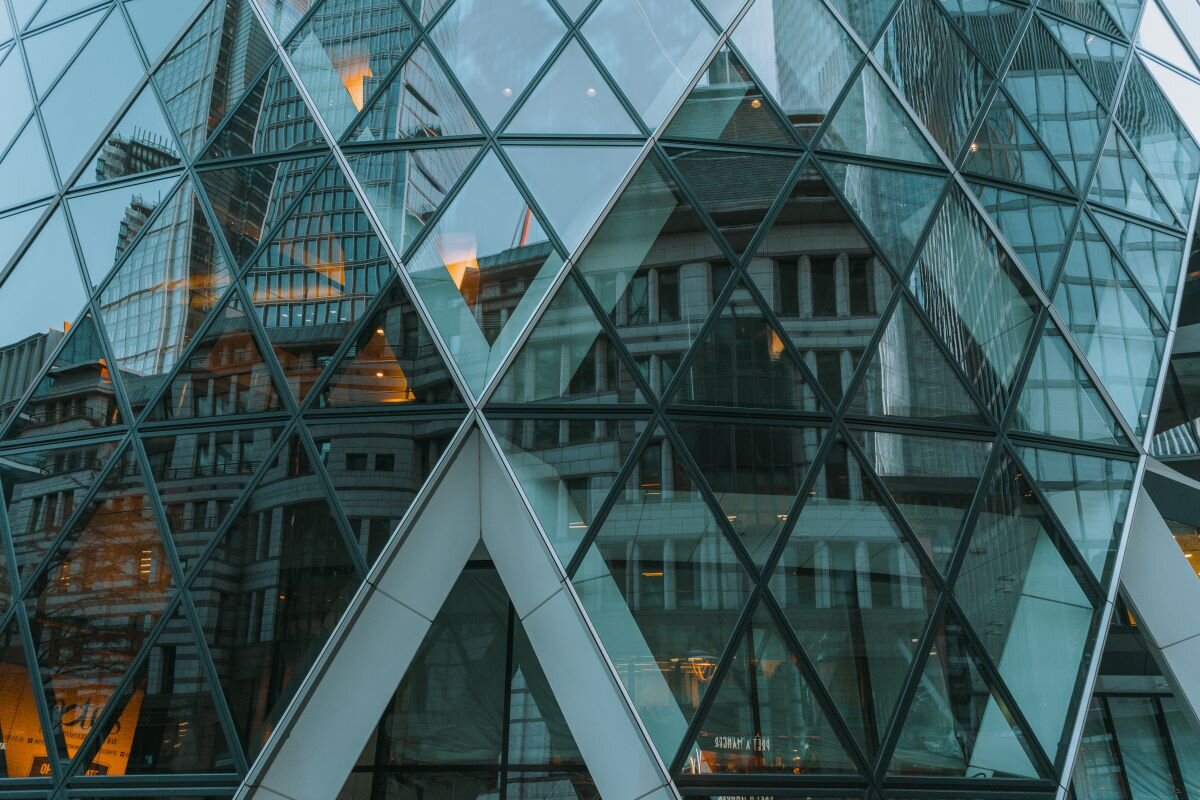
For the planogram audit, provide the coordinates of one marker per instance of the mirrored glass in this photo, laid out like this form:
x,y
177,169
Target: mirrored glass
x,y
107,223
1122,183
14,92
1089,12
25,753
1097,58
1098,771
284,14
1036,228
1151,256
270,117
1140,739
1006,148
24,170
987,24
572,98
864,16
14,228
157,24
141,141
870,121
48,52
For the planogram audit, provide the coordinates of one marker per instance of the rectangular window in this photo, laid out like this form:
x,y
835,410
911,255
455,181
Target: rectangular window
x,y
788,303
668,295
356,462
860,288
385,462
824,287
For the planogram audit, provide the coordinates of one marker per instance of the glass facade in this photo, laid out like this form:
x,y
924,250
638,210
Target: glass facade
x,y
824,343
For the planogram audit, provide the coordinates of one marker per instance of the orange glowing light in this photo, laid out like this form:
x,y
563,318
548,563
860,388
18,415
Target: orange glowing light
x,y
775,346
353,74
460,255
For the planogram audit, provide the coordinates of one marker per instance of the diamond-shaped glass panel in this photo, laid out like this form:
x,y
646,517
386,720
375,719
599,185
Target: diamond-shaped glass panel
x,y
141,141
870,121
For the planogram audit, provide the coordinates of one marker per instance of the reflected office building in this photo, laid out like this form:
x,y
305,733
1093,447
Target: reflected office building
x,y
566,399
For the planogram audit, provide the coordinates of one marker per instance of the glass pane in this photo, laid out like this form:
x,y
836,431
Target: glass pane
x,y
865,16
1122,183
1089,12
568,359
854,593
976,299
157,24
764,718
1186,743
377,468
1005,148
656,271
872,122
1036,228
14,92
1144,749
931,479
24,169
1026,604
48,52
987,24
742,362
1098,770
802,56
663,588
269,117
1181,90
392,359
1059,399
652,48
956,725
284,14
141,141
419,103
107,223
14,228
736,190
572,98
199,475
495,48
1098,59
345,51
24,743
1152,257
271,592
94,603
948,105
1089,495
567,468
1113,325
728,106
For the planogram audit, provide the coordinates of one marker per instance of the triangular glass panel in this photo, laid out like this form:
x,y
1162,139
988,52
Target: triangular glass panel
x,y
108,222
764,718
1122,183
204,77
865,16
1088,12
24,170
1005,148
572,184
568,359
165,721
250,199
13,230
15,98
1098,59
949,105
376,469
1059,399
653,237
1069,119
283,15
735,189
742,362
853,591
932,481
1152,257
285,566
1181,90
1026,604
652,50
315,279
565,490
392,361
104,72
989,25
909,376
1036,228
1089,496
52,10
664,606
495,50
25,753
726,105
113,556
406,187
169,287
271,117
1114,326
419,103
141,141
572,98
976,298
157,24
1125,12
957,725
224,373
870,121
199,475
483,269
49,51
802,55
755,473
825,281
894,206
76,394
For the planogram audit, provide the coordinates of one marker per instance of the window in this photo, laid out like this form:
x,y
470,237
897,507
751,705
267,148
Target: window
x,y
788,288
385,462
668,295
824,287
356,462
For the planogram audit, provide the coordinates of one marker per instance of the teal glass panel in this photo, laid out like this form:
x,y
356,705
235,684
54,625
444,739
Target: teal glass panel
x,y
14,228
864,17
1098,59
1098,771
1060,399
1036,228
989,25
14,93
976,298
21,716
852,590
567,467
652,49
1185,741
140,142
932,481
802,55
1125,12
1144,748
765,718
47,53
723,11
157,24
1122,183
269,117
870,121
1089,495
572,98
108,222
1088,12
949,104
24,170
1006,148
1153,257
285,14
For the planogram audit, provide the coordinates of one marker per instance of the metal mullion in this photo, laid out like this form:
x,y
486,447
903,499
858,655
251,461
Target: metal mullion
x,y
157,509
776,207
1111,730
1181,224
907,425
1042,11
1164,733
667,164
1065,445
1191,48
385,85
719,413
1050,12
52,204
506,723
352,149
1154,306
335,507
37,685
626,104
269,359
966,532
531,85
